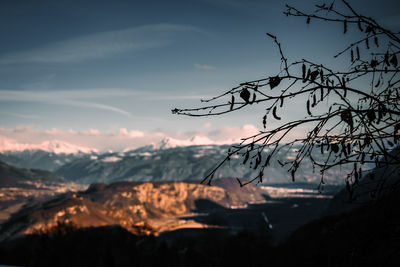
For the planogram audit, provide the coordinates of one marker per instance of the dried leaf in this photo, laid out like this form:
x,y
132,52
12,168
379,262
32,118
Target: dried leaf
x,y
358,53
359,25
362,158
386,58
344,26
367,140
347,117
308,108
321,75
245,95
380,115
303,69
371,115
232,102
344,150
261,175
335,148
308,20
374,63
258,160
267,161
378,83
376,41
274,81
367,43
314,101
307,76
314,75
274,114
264,121
315,131
393,60
246,157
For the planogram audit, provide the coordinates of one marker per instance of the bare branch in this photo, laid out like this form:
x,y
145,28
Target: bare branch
x,y
362,125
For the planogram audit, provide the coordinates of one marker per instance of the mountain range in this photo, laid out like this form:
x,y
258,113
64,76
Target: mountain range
x,y
48,155
54,146
31,179
166,161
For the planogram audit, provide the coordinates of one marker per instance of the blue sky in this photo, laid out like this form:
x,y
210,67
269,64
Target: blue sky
x,y
109,65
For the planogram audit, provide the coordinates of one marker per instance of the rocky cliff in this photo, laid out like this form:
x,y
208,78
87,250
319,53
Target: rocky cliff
x,y
140,207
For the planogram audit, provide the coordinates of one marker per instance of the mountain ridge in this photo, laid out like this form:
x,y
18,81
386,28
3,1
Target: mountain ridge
x,y
139,207
54,146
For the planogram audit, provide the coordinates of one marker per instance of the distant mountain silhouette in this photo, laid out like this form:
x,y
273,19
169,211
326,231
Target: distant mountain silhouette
x,y
12,176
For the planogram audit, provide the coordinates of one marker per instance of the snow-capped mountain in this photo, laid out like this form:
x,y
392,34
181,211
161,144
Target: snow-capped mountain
x,y
197,140
53,146
48,155
170,160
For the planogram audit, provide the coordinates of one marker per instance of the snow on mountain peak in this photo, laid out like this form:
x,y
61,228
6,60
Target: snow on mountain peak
x,y
55,146
197,140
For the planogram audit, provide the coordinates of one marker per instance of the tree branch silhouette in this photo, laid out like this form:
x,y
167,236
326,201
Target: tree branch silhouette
x,y
360,128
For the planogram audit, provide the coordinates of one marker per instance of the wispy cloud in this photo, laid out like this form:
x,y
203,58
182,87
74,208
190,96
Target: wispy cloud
x,y
87,104
23,116
96,98
100,45
66,97
203,66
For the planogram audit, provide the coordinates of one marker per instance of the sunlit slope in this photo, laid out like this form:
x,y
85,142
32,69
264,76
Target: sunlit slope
x,y
139,207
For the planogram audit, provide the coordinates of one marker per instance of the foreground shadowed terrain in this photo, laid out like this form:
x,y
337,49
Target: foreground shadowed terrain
x,y
368,235
189,224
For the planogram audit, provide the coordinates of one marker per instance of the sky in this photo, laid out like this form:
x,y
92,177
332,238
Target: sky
x,y
106,74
